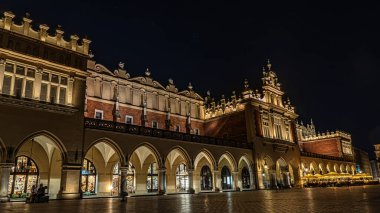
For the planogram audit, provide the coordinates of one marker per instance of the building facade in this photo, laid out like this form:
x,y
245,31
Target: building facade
x,y
83,129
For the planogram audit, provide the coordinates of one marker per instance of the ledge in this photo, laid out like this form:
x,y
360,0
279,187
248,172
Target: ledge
x,y
38,105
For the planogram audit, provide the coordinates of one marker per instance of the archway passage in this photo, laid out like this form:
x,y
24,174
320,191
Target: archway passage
x,y
226,178
206,178
245,178
177,174
100,174
38,160
23,176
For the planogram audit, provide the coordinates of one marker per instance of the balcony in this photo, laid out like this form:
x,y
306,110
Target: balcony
x,y
315,155
92,123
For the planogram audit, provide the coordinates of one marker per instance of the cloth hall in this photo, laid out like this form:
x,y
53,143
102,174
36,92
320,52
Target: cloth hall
x,y
86,130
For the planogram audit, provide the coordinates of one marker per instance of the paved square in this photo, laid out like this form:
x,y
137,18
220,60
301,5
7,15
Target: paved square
x,y
353,199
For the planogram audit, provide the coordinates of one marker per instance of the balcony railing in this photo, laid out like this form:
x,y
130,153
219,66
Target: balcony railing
x,y
159,133
315,155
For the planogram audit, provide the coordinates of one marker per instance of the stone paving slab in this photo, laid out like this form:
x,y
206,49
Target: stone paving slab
x,y
342,200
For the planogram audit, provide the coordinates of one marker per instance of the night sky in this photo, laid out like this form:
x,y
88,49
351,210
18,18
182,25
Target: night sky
x,y
326,56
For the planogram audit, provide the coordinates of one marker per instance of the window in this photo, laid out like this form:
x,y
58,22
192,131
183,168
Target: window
x,y
20,70
23,176
17,87
177,128
30,73
53,94
206,178
197,131
43,93
98,114
152,178
277,128
182,178
88,180
226,178
287,131
154,124
7,85
62,95
29,89
265,120
9,67
128,119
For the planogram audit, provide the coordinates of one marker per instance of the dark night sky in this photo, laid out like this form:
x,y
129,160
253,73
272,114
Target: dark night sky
x,y
326,56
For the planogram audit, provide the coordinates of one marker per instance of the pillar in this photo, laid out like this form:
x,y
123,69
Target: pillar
x,y
70,182
123,186
37,84
235,180
286,178
5,171
217,181
190,172
70,89
2,70
162,181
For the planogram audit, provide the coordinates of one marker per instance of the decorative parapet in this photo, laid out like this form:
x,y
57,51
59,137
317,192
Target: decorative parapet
x,y
26,29
327,157
326,135
91,123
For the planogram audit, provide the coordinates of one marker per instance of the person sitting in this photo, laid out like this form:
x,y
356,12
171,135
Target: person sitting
x,y
40,192
33,194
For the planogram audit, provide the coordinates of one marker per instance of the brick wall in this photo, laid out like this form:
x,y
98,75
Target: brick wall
x,y
231,126
108,109
330,146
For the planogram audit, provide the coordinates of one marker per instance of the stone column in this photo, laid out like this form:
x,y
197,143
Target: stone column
x,y
70,182
162,181
217,181
5,171
70,89
235,180
123,183
191,180
37,84
2,70
286,178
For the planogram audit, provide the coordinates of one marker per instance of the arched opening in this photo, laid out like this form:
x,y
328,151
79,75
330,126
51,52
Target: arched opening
x,y
321,169
23,176
282,174
177,177
38,160
182,178
88,177
204,164
268,173
152,178
101,175
226,178
145,161
206,179
245,178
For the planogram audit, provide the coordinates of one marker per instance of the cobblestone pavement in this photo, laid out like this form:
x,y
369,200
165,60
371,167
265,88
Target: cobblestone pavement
x,y
353,199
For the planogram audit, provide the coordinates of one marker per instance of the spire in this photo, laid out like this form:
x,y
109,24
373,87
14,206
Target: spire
x,y
269,65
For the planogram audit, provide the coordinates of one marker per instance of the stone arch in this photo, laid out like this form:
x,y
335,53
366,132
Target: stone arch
x,y
329,167
353,170
348,169
113,145
342,168
336,167
230,159
203,158
314,169
267,172
104,154
146,162
49,154
322,169
59,144
177,159
282,173
244,162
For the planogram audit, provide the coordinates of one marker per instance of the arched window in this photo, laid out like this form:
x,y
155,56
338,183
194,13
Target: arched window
x,y
88,177
206,178
182,178
23,176
152,178
116,179
245,178
226,178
